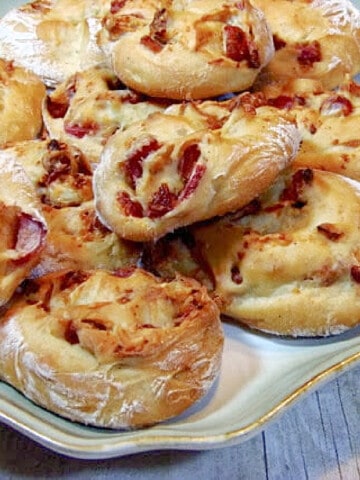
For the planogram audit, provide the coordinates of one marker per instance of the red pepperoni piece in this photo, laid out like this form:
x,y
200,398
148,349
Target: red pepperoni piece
x,y
309,53
188,160
80,130
162,202
29,237
131,208
133,164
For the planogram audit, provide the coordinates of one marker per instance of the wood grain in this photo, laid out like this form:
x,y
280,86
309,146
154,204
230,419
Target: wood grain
x,y
316,439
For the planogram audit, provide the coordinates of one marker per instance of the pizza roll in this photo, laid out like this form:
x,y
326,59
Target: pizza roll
x,y
328,122
177,253
315,39
76,239
60,174
190,163
90,106
289,263
22,228
122,350
186,49
21,96
53,38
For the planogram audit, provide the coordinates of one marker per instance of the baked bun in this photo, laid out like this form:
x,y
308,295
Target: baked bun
x,y
318,39
177,253
289,263
90,106
53,38
187,50
22,228
60,174
121,350
194,162
327,120
21,96
76,239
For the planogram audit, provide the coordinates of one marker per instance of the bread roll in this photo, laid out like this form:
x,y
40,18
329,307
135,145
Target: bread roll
x,y
76,239
327,121
121,350
22,228
90,106
317,39
190,163
53,38
289,264
187,49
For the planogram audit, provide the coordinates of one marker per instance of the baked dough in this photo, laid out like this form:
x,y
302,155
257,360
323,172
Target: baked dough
x,y
190,163
90,106
121,350
177,253
21,96
22,228
76,239
318,39
61,174
328,122
187,49
289,263
53,38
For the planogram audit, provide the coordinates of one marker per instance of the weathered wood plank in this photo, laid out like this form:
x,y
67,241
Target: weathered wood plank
x,y
316,439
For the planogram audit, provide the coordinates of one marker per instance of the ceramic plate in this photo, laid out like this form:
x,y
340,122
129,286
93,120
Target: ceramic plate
x,y
260,377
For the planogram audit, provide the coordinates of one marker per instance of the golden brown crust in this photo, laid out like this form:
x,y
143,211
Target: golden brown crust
x,y
327,120
289,263
76,239
61,174
21,96
318,39
190,163
53,38
90,106
118,351
22,228
188,50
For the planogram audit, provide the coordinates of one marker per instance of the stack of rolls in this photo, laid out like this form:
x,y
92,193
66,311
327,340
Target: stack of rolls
x,y
175,164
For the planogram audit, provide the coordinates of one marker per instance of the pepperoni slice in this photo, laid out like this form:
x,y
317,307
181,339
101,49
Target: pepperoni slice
x,y
29,238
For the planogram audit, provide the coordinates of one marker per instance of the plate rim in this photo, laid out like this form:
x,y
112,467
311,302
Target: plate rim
x,y
117,447
153,439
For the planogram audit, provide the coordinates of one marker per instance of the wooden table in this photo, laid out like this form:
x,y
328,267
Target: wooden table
x,y
317,438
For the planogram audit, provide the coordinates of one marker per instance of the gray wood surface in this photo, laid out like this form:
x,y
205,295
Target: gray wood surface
x,y
317,438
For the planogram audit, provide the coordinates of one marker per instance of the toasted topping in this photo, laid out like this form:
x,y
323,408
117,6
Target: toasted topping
x,y
236,275
336,104
279,43
72,278
238,48
157,38
117,5
132,166
131,208
29,237
162,202
332,232
80,130
355,273
309,53
188,160
193,182
299,180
